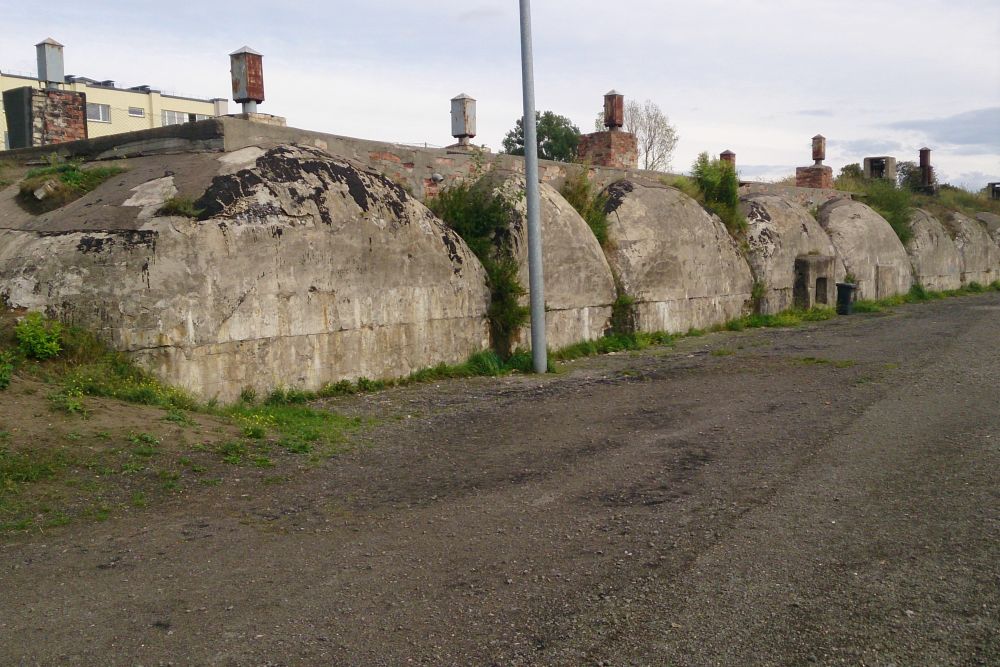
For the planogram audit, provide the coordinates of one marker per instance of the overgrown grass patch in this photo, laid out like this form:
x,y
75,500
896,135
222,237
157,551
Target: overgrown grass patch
x,y
918,293
180,206
59,184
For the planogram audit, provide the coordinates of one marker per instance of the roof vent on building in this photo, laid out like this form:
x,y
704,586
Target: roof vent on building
x,y
50,62
107,83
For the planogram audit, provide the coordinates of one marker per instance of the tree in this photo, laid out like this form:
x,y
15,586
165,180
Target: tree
x,y
656,136
909,177
852,171
558,138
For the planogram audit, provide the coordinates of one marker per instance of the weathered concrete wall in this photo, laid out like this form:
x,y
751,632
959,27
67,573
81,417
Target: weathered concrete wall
x,y
868,248
980,255
308,271
779,231
992,222
807,197
936,262
678,262
579,288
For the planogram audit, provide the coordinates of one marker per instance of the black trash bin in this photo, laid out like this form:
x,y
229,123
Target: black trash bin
x,y
845,298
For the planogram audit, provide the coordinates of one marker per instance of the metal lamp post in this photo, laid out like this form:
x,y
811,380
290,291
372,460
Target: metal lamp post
x,y
536,281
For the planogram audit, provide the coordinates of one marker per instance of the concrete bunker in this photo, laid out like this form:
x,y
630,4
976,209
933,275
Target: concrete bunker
x,y
678,262
779,233
936,262
579,287
868,247
304,270
980,255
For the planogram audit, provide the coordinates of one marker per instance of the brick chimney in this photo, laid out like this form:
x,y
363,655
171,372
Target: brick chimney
x,y
612,148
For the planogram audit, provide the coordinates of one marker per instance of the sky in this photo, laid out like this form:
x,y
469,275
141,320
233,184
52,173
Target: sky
x,y
759,77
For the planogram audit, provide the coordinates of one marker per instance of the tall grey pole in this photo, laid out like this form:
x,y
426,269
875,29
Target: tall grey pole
x,y
536,281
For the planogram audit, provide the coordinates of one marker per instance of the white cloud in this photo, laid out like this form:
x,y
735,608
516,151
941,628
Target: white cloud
x,y
759,78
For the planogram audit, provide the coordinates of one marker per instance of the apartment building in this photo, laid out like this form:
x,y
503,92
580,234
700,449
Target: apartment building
x,y
111,109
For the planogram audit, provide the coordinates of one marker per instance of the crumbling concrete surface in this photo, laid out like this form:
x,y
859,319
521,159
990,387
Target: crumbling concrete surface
x,y
779,231
980,255
868,248
678,263
992,222
305,270
936,263
579,287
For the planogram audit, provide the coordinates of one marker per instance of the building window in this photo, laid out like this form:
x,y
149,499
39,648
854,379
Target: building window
x,y
201,116
174,117
98,113
137,112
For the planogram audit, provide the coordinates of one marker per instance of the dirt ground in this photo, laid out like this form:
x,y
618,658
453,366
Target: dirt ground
x,y
824,495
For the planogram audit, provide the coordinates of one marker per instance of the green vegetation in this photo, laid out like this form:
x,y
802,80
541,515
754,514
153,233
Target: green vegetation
x,y
38,337
713,184
893,204
483,219
558,137
897,203
918,294
588,202
64,183
180,206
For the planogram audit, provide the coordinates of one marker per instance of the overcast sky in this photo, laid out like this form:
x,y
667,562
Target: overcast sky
x,y
759,77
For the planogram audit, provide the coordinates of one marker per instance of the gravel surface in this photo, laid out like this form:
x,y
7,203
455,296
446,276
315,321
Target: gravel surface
x,y
825,495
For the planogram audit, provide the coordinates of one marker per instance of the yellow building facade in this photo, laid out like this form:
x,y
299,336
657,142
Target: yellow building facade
x,y
113,110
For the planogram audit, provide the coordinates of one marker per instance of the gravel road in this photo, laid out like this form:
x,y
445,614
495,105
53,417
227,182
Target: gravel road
x,y
825,495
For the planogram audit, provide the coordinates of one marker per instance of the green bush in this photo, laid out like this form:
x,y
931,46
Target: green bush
x,y
893,204
39,338
719,188
588,202
483,220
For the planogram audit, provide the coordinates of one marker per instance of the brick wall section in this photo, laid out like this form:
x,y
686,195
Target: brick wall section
x,y
618,150
57,116
816,176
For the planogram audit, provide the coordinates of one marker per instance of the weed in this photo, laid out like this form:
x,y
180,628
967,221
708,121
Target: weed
x,y
248,395
624,318
331,389
757,294
70,402
718,189
364,384
139,499
180,206
7,365
232,451
588,202
484,220
723,352
38,337
176,416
